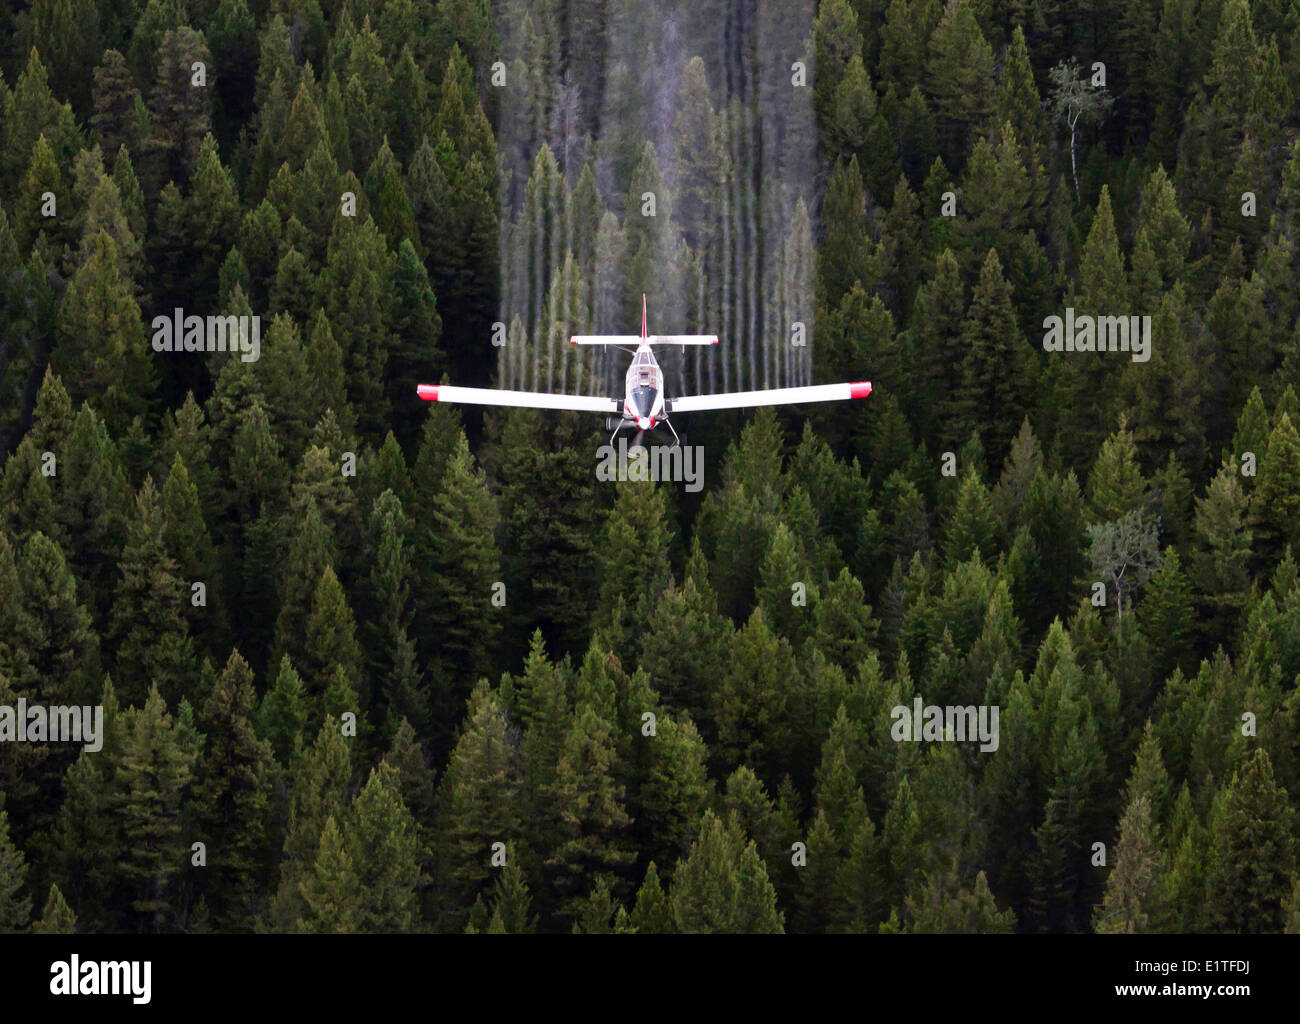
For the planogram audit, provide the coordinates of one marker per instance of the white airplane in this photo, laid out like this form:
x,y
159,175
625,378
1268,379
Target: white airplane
x,y
644,404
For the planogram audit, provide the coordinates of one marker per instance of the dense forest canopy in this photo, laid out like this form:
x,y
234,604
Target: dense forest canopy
x,y
366,664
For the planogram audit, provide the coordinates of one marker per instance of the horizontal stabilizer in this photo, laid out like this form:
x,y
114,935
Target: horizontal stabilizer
x,y
772,396
682,339
516,399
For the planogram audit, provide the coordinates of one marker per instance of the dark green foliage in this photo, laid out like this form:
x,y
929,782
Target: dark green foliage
x,y
469,687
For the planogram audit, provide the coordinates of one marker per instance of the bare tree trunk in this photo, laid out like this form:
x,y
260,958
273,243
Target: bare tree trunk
x,y
1074,168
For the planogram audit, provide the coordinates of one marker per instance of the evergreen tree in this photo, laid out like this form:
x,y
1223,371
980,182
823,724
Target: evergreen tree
x,y
653,913
331,894
593,820
319,796
57,918
479,804
382,840
1253,852
179,114
457,605
101,353
15,904
722,886
232,799
1131,884
154,773
1275,501
998,370
154,648
945,906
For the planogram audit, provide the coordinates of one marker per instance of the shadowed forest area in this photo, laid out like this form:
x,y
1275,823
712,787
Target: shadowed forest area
x,y
368,664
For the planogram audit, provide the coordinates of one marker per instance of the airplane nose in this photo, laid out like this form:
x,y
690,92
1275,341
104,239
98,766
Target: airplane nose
x,y
643,422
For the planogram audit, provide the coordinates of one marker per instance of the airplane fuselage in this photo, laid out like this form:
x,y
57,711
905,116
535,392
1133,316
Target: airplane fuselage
x,y
643,396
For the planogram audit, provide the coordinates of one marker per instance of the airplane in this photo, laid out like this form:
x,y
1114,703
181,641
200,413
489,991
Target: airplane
x,y
644,404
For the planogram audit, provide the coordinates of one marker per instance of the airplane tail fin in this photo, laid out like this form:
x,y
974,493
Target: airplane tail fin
x,y
648,339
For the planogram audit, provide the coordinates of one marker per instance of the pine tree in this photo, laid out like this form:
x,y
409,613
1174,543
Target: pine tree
x,y
1167,616
653,913
416,356
699,159
946,906
232,799
1219,564
154,772
998,369
972,527
1275,501
15,904
93,508
836,39
155,648
179,114
845,630
669,802
591,837
1253,853
936,346
462,567
752,700
330,642
331,893
212,212
319,795
511,904
383,842
395,669
550,516
102,354
1115,484
86,837
960,78
723,886
282,719
479,804
114,99
58,649
189,545
1131,885
784,578
43,176
354,287
57,918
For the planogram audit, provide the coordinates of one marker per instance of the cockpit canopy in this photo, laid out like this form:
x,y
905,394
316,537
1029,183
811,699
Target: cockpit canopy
x,y
644,372
645,382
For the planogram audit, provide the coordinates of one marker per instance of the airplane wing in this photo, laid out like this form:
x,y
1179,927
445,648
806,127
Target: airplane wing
x,y
682,339
772,396
606,339
516,399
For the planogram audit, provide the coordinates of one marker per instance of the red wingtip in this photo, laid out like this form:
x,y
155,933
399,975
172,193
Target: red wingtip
x,y
429,392
860,390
